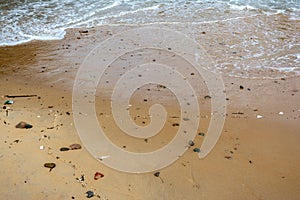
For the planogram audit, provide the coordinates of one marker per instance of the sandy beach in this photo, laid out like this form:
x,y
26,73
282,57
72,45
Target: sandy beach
x,y
255,158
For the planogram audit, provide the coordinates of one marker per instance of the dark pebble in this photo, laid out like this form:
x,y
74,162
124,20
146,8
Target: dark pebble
x,y
23,125
201,134
156,174
50,165
89,194
191,143
64,149
197,150
241,87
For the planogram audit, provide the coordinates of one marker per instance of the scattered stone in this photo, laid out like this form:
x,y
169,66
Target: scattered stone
x,y
81,179
201,134
175,124
75,146
64,149
89,194
23,125
156,174
228,157
241,87
42,147
98,175
191,143
250,161
280,113
50,166
83,31
197,150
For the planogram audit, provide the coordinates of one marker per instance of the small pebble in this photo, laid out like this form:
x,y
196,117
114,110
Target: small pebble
x,y
89,194
23,125
50,165
156,174
191,143
201,134
197,150
280,113
41,147
64,149
75,146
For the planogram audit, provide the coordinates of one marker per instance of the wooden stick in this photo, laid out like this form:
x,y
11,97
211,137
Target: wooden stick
x,y
18,96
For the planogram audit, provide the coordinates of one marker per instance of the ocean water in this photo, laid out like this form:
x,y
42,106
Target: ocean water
x,y
25,20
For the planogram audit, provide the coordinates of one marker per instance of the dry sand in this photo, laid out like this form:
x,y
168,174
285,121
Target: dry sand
x,y
253,159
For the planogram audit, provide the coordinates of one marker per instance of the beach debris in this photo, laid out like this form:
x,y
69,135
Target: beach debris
x,y
201,134
259,116
50,166
19,96
81,179
64,149
197,150
156,174
228,157
42,147
89,194
23,125
175,124
103,157
241,87
83,31
207,97
191,143
75,146
280,113
8,102
98,175
237,113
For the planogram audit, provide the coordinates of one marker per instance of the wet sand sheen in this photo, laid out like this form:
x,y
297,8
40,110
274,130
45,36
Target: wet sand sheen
x,y
254,158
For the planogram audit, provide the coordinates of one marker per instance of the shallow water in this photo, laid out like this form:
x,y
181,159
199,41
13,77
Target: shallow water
x,y
246,36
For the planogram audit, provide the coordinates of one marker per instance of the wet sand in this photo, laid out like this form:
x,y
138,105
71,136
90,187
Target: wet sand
x,y
253,159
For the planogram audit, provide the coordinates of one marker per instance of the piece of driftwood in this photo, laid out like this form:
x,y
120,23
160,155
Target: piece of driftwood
x,y
19,96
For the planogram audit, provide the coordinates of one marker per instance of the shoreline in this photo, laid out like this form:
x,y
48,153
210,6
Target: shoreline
x,y
254,158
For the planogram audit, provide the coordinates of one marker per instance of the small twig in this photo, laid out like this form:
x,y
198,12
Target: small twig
x,y
18,96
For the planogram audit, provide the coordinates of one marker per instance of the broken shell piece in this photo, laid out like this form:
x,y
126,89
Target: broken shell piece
x,y
98,175
23,125
75,146
103,157
280,113
259,116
